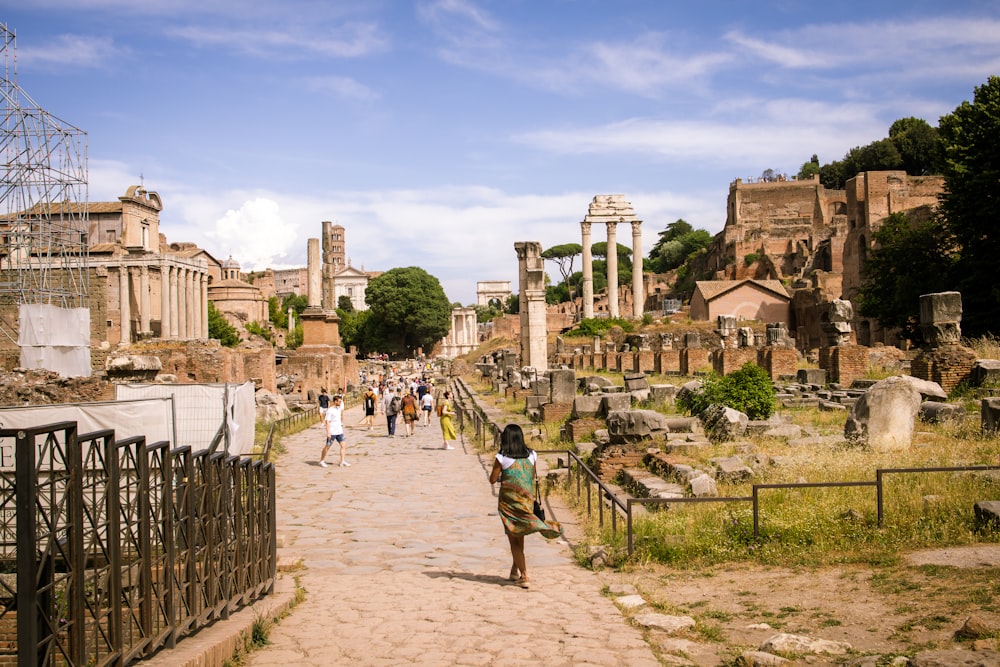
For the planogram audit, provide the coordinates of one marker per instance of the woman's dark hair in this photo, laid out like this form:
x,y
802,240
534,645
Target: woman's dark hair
x,y
512,443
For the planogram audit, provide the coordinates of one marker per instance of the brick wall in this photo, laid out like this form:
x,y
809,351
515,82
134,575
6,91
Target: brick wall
x,y
844,363
581,430
947,365
779,361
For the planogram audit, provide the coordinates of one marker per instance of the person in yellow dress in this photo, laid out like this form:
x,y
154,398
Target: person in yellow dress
x,y
446,411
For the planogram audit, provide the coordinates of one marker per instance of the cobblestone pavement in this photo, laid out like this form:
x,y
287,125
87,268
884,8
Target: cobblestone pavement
x,y
405,562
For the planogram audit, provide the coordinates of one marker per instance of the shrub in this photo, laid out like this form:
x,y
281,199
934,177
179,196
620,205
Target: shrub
x,y
747,389
599,326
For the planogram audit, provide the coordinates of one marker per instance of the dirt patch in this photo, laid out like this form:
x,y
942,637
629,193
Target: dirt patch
x,y
897,610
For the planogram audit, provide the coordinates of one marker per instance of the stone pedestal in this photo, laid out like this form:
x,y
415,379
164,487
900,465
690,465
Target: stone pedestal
x,y
779,362
947,365
844,363
667,361
725,362
645,361
693,359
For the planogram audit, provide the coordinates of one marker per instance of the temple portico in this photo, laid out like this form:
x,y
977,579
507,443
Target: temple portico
x,y
610,210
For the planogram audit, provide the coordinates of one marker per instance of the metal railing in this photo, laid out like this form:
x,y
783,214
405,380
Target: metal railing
x,y
585,480
114,549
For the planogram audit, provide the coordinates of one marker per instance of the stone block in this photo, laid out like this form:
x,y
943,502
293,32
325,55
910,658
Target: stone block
x,y
614,402
987,513
811,376
587,406
562,385
990,414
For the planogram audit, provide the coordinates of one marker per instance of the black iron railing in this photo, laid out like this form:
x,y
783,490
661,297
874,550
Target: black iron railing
x,y
113,549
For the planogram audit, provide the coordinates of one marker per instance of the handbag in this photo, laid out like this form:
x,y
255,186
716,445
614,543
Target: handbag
x,y
537,509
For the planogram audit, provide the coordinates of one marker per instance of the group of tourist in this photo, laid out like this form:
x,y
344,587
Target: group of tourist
x,y
514,466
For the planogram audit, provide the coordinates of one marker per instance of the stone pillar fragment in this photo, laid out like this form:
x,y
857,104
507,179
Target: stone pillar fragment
x,y
612,261
638,298
588,272
175,303
531,271
144,300
164,301
125,307
314,273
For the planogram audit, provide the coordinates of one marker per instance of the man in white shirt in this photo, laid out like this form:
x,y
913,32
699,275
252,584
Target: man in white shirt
x,y
335,431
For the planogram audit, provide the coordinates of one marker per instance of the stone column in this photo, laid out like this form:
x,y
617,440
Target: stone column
x,y
314,273
124,307
196,304
204,306
182,302
175,304
612,258
534,348
144,300
164,301
638,298
189,296
588,272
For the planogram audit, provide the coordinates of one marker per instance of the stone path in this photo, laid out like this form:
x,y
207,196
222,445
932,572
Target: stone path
x,y
405,562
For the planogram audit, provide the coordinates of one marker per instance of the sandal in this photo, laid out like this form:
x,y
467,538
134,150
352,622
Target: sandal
x,y
523,583
514,574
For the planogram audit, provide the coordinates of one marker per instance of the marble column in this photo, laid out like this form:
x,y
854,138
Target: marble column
x,y
588,272
124,305
189,295
164,301
182,298
638,298
175,309
204,306
143,300
612,258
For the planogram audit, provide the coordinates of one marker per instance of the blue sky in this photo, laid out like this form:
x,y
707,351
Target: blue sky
x,y
441,132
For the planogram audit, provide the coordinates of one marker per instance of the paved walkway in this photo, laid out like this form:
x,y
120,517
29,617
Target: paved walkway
x,y
406,563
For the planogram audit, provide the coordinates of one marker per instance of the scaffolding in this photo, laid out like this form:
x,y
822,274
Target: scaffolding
x,y
44,278
43,203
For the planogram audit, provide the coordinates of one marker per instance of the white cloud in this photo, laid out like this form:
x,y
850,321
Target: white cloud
x,y
68,51
341,86
349,40
256,234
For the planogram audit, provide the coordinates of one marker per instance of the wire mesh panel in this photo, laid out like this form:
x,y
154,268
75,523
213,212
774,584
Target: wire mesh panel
x,y
161,544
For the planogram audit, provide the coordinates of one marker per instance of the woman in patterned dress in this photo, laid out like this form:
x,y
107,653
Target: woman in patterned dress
x,y
514,468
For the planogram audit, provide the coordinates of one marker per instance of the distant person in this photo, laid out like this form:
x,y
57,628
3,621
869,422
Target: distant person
x,y
335,431
369,400
426,405
514,468
324,402
445,412
409,412
391,405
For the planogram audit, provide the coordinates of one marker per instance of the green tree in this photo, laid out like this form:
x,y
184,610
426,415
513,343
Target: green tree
x,y
409,310
809,169
277,314
220,329
907,259
676,243
352,325
344,303
970,204
919,145
563,255
747,389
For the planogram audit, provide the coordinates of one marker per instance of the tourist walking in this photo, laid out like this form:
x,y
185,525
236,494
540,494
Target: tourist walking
x,y
514,468
409,412
445,412
369,400
324,402
391,405
426,405
335,431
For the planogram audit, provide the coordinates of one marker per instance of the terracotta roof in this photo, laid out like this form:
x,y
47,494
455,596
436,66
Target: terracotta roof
x,y
710,289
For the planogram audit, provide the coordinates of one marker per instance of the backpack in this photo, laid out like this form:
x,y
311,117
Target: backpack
x,y
394,405
440,409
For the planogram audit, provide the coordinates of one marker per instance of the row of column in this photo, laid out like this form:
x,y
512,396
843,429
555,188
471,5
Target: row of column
x,y
638,298
183,301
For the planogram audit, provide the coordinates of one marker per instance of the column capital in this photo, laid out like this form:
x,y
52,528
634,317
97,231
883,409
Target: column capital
x,y
636,227
612,225
585,227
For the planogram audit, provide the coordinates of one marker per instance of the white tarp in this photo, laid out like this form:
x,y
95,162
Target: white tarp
x,y
200,409
152,418
54,338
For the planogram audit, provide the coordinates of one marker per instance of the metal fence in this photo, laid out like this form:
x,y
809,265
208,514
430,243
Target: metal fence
x,y
587,484
113,549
